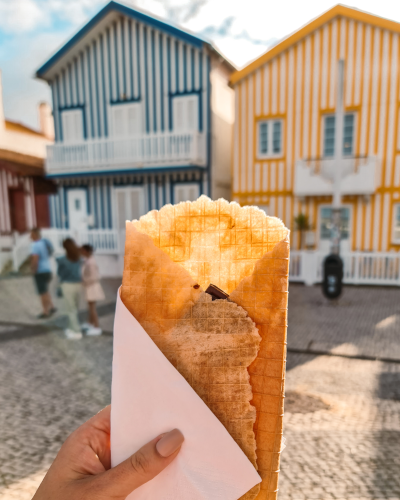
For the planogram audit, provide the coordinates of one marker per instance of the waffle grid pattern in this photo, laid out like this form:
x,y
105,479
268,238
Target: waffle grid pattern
x,y
246,254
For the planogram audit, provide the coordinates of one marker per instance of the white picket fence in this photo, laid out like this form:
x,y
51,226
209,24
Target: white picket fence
x,y
104,241
360,268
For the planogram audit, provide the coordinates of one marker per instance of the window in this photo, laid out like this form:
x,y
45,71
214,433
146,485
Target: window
x,y
130,202
329,134
264,138
329,143
186,192
348,133
396,224
72,125
326,223
269,138
126,119
185,113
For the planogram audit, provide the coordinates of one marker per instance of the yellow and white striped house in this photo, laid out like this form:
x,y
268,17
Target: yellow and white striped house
x,y
285,129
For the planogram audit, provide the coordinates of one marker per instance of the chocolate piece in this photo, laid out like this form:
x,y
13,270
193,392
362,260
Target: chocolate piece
x,y
216,293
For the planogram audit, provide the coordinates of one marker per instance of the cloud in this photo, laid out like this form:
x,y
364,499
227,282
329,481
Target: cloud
x,y
17,16
226,29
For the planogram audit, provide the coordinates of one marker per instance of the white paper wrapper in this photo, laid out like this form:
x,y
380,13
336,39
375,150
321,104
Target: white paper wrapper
x,y
150,397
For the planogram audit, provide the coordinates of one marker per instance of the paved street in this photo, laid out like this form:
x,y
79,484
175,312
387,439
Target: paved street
x,y
342,418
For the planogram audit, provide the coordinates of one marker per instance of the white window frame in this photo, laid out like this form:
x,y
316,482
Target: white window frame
x,y
185,99
72,112
111,125
187,185
395,241
269,154
355,125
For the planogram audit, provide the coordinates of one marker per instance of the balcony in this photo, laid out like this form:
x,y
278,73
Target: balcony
x,y
316,177
137,152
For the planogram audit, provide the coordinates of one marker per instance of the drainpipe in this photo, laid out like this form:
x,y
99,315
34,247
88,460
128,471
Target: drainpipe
x,y
338,160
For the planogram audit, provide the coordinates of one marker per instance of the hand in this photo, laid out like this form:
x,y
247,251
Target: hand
x,y
81,470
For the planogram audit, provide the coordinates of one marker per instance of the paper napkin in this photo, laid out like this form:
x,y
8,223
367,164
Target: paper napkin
x,y
150,397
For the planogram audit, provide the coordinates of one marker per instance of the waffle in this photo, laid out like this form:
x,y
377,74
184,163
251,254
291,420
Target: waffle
x,y
232,352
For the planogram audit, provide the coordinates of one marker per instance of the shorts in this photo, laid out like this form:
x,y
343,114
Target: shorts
x,y
42,281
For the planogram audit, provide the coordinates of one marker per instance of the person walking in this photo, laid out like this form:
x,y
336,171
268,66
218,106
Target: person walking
x,y
70,276
41,250
93,289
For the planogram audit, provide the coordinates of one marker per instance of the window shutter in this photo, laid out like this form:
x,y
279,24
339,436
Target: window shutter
x,y
135,211
133,120
191,114
119,119
186,192
185,113
72,125
121,203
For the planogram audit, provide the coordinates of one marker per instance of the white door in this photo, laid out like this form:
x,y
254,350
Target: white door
x,y
130,202
186,192
324,233
77,209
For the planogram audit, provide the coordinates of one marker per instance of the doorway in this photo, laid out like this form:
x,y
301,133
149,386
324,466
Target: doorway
x,y
17,210
77,209
131,204
325,226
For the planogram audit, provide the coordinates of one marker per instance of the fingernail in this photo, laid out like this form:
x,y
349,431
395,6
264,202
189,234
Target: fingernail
x,y
169,443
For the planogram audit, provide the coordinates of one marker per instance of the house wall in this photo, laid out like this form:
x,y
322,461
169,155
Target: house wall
x,y
101,202
298,85
222,119
131,62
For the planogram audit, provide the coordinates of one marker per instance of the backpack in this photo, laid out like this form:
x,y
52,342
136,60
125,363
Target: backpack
x,y
49,246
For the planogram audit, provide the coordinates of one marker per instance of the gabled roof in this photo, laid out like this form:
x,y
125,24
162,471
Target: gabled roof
x,y
337,11
128,11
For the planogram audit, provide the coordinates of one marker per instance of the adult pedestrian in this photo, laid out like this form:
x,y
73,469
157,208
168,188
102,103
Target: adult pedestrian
x,y
70,276
41,250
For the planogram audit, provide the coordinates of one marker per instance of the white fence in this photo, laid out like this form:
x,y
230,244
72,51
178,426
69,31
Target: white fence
x,y
360,268
150,149
105,241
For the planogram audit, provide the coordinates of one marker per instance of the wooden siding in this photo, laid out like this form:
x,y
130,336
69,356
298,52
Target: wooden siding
x,y
131,62
158,190
298,86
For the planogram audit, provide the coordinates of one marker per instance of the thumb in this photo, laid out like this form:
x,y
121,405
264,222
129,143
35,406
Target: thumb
x,y
141,467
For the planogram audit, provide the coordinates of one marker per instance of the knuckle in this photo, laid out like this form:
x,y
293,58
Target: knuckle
x,y
140,463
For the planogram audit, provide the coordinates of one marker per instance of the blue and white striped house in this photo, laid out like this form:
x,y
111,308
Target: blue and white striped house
x,y
143,116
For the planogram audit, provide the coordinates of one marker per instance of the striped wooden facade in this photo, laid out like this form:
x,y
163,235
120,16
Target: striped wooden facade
x,y
101,194
123,56
296,82
129,61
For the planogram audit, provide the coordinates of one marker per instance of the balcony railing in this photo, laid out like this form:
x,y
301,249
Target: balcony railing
x,y
149,150
314,177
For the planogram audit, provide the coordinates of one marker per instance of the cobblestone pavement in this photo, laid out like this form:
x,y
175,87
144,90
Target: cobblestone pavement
x,y
342,420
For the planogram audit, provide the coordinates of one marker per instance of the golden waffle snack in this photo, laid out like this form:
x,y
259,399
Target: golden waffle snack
x,y
171,256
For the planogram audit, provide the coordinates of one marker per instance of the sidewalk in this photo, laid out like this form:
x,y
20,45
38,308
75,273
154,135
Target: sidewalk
x,y
19,302
342,415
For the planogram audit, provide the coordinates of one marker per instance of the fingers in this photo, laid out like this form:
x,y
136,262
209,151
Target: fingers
x,y
141,467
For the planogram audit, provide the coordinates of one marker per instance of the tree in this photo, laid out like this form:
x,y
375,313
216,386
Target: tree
x,y
302,224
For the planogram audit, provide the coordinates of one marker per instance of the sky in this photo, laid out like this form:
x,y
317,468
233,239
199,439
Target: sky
x,y
32,30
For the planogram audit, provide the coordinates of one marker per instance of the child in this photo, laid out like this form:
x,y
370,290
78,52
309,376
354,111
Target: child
x,y
93,289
